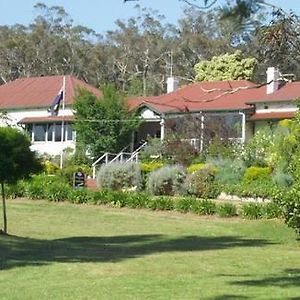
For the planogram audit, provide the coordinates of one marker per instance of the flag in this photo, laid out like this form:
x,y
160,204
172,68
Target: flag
x,y
54,108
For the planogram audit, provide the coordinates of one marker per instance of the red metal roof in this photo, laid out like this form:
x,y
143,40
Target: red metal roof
x,y
48,119
272,116
286,92
215,96
39,91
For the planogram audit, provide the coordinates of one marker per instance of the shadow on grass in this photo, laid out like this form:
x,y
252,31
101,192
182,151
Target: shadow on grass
x,y
288,278
230,297
17,251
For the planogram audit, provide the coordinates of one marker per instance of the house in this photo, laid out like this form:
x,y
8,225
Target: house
x,y
228,109
26,102
240,106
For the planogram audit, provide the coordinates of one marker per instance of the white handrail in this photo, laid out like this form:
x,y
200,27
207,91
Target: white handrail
x,y
120,155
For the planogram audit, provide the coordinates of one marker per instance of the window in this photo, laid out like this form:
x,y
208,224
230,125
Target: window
x,y
68,132
50,132
39,131
29,130
57,137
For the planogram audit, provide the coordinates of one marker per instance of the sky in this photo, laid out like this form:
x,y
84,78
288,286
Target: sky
x,y
101,15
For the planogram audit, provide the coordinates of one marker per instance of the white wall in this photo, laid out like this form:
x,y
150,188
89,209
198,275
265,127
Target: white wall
x,y
51,148
283,106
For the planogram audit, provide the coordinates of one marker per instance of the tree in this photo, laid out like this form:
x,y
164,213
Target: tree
x,y
226,67
17,161
104,124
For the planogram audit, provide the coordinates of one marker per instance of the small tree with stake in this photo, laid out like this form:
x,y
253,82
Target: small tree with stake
x,y
17,161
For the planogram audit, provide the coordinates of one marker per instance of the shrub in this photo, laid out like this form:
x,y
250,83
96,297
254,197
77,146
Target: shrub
x,y
226,210
15,190
67,173
50,168
204,207
37,186
153,149
220,149
252,211
290,206
161,203
167,180
201,183
147,168
80,195
118,176
185,204
137,200
257,174
180,151
57,191
265,190
229,171
271,210
195,167
282,179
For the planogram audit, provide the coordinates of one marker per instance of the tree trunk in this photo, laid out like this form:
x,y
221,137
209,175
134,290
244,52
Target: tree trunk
x,y
4,209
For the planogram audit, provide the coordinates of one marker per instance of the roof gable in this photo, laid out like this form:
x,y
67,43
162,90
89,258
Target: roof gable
x,y
39,91
216,96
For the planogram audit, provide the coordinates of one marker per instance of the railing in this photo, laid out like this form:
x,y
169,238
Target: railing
x,y
122,157
135,154
105,157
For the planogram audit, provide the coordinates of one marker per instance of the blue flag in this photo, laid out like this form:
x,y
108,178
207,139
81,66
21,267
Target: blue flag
x,y
54,108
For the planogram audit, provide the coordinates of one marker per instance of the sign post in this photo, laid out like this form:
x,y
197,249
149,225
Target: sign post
x,y
78,180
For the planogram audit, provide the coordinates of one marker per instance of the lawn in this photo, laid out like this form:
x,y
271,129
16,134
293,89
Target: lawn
x,y
65,251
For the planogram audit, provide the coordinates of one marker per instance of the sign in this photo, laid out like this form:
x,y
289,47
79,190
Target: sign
x,y
79,180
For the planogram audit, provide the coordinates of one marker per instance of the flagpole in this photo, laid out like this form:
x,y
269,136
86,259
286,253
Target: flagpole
x,y
62,122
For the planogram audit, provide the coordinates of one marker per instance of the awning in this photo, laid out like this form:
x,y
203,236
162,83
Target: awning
x,y
272,116
50,119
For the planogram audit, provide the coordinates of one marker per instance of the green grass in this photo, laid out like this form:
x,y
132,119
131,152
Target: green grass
x,y
64,251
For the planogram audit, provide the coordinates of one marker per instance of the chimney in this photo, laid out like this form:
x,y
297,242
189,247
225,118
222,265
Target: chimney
x,y
273,78
172,84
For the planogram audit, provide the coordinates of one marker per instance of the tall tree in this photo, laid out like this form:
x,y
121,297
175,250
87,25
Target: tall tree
x,y
17,161
226,67
104,124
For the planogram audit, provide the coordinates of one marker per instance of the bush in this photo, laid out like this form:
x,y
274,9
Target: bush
x,y
219,149
229,171
57,191
252,211
161,203
67,173
282,179
265,190
271,210
118,176
153,149
257,174
226,210
167,180
80,195
147,168
50,168
290,206
201,183
180,151
17,190
204,207
137,200
195,167
185,204
37,186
